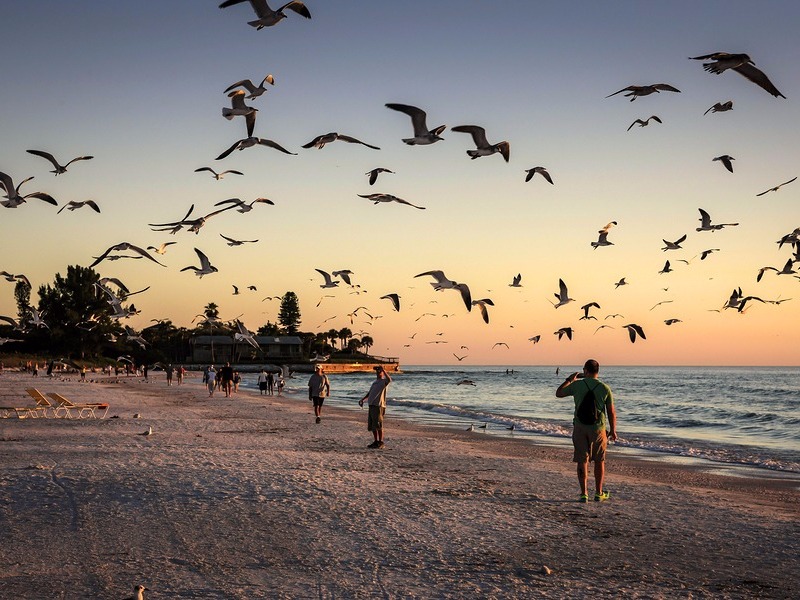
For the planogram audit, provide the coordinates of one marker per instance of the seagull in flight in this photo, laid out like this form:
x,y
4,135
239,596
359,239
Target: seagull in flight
x,y
242,206
422,136
205,268
777,187
564,331
75,205
742,64
378,198
268,17
240,109
194,225
249,142
515,281
635,91
672,321
14,197
586,308
233,242
535,339
216,175
657,304
373,175
620,282
720,107
646,122
562,295
787,270
602,240
162,249
394,299
122,247
704,254
482,304
500,344
329,282
541,171
666,269
725,159
254,91
634,330
676,245
442,283
59,169
705,223
327,138
484,148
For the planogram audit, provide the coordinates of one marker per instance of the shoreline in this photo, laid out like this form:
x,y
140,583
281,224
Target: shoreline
x,y
247,497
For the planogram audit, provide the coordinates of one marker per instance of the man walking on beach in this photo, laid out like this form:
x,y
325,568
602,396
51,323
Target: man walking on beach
x,y
589,436
318,389
376,399
226,379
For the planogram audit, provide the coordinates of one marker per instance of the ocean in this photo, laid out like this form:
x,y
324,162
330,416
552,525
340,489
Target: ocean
x,y
747,417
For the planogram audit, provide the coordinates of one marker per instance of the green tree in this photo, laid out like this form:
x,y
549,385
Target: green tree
x,y
22,294
289,313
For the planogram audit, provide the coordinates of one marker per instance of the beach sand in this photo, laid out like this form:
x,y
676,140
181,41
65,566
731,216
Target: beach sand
x,y
247,498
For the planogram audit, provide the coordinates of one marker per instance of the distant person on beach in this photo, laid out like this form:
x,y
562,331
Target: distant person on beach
x,y
83,374
318,389
36,370
181,373
376,400
270,383
145,369
226,379
169,371
211,376
281,383
589,436
262,382
237,379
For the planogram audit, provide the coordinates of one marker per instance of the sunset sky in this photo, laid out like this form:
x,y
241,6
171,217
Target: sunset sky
x,y
140,87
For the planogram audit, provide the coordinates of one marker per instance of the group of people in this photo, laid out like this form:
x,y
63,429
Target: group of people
x,y
268,382
319,388
227,379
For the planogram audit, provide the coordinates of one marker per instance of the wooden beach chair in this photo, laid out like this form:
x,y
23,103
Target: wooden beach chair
x,y
84,410
21,412
42,403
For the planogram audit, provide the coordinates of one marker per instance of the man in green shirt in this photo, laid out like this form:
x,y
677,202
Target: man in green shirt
x,y
589,436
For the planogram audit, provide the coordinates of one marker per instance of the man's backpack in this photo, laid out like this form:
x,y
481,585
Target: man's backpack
x,y
587,412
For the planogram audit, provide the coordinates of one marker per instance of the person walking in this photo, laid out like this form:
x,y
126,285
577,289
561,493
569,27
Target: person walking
x,y
169,371
226,379
270,383
211,376
376,400
262,382
589,437
318,389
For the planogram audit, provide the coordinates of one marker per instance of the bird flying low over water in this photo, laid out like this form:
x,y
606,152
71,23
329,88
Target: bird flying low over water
x,y
644,123
705,223
742,64
205,268
422,136
777,187
326,138
394,299
249,142
268,17
676,245
634,330
720,107
725,159
14,199
562,295
373,174
564,331
635,91
542,171
378,198
121,247
253,91
216,175
482,305
75,205
59,169
484,148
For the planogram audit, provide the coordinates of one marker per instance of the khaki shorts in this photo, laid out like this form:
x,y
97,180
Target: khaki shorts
x,y
590,444
375,418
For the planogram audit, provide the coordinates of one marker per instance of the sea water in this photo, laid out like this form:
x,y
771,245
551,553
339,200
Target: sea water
x,y
745,416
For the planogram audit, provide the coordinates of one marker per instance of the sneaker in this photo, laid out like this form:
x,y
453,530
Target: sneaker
x,y
319,419
584,498
602,497
372,445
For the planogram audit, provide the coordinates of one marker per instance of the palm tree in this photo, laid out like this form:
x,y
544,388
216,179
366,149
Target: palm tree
x,y
211,310
367,342
333,335
344,335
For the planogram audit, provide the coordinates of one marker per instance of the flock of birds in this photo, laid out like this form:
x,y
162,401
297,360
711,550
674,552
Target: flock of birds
x,y
245,90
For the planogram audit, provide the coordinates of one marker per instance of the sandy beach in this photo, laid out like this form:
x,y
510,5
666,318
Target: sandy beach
x,y
247,498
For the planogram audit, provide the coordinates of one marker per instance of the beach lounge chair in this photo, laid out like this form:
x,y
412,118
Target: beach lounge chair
x,y
84,410
43,404
20,412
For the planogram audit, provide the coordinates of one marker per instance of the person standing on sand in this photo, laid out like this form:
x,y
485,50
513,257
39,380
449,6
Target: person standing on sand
x,y
318,389
376,399
226,379
262,382
589,436
169,370
270,383
211,376
181,372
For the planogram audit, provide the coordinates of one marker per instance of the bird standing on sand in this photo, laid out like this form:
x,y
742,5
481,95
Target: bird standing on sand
x,y
422,136
484,148
268,17
59,169
725,159
742,64
635,91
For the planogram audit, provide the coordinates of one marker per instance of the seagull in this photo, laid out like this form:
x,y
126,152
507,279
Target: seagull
x,y
138,591
500,344
253,90
720,107
586,308
541,170
657,304
742,64
646,122
327,138
787,270
329,283
776,188
194,225
608,226
482,304
672,321
148,432
634,330
725,159
216,175
515,281
233,242
373,175
676,245
344,275
535,339
268,17
564,331
121,247
602,240
634,91
620,282
240,109
205,268
484,148
74,205
245,335
666,269
422,136
162,249
249,142
614,316
459,358
59,169
378,198
705,222
442,283
602,327
395,300
705,253
242,206
562,295
14,197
